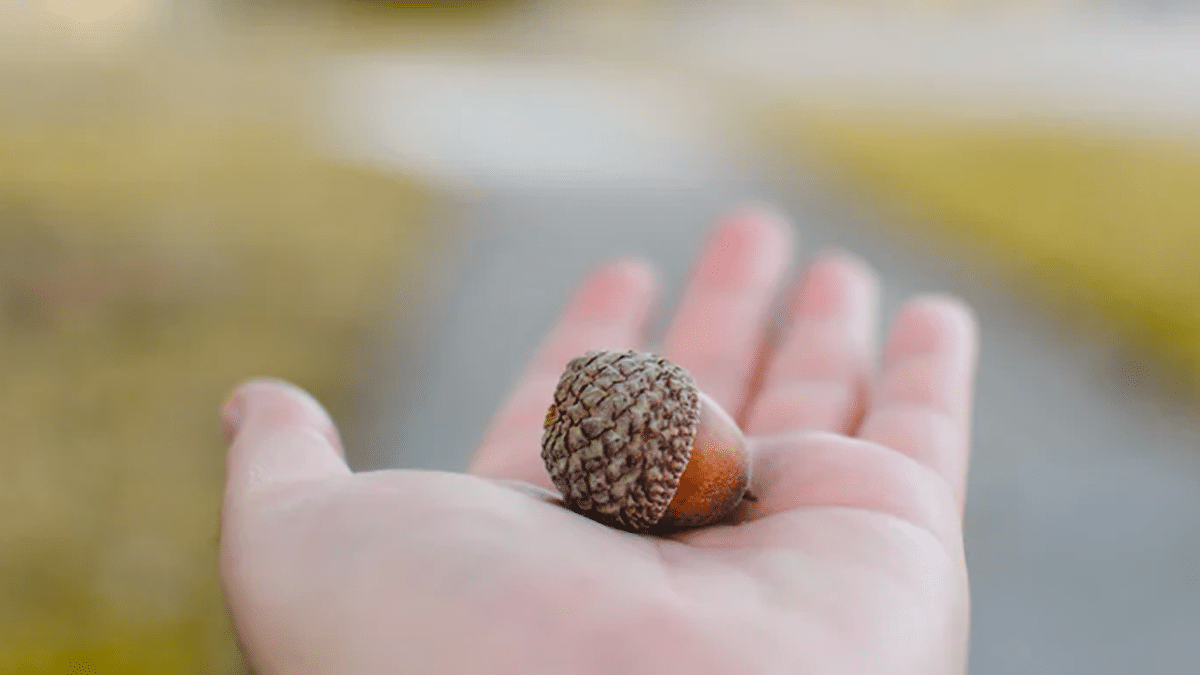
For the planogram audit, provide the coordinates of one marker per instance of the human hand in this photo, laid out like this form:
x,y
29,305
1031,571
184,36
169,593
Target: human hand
x,y
850,561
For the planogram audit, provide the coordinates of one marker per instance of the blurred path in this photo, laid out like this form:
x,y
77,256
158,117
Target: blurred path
x,y
1084,547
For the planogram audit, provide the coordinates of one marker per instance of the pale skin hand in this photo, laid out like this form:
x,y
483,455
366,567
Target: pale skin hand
x,y
850,561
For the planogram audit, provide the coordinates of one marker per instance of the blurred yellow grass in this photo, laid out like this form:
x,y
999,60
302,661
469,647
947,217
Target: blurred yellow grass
x,y
1110,219
145,267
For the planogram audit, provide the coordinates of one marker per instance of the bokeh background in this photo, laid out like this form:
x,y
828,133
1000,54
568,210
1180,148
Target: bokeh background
x,y
387,202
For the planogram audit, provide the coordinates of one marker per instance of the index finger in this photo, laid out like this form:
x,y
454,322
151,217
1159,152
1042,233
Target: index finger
x,y
610,310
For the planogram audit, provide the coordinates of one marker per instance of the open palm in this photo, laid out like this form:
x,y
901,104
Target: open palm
x,y
850,560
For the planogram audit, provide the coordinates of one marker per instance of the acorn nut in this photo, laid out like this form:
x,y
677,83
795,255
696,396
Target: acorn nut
x,y
631,442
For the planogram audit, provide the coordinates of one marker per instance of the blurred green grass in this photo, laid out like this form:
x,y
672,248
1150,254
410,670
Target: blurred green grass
x,y
147,264
1085,218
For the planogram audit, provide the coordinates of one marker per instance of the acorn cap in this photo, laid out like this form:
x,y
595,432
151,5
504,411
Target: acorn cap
x,y
619,436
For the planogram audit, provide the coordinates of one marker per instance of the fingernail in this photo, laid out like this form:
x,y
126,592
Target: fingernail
x,y
749,248
232,416
615,289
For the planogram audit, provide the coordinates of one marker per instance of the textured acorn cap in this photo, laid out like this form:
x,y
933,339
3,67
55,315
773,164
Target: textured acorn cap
x,y
619,435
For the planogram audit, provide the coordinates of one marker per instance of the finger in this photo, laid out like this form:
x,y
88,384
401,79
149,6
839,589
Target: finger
x,y
818,376
922,403
822,470
610,310
718,331
280,436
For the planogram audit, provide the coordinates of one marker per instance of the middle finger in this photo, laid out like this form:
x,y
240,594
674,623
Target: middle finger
x,y
818,378
718,332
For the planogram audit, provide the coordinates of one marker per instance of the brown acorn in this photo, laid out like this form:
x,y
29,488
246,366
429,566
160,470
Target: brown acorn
x,y
630,441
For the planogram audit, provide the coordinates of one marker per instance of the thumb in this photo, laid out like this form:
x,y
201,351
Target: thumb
x,y
279,436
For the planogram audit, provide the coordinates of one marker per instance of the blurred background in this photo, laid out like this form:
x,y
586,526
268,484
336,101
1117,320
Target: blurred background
x,y
388,202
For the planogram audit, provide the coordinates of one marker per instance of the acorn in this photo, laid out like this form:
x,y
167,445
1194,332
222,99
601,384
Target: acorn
x,y
630,441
